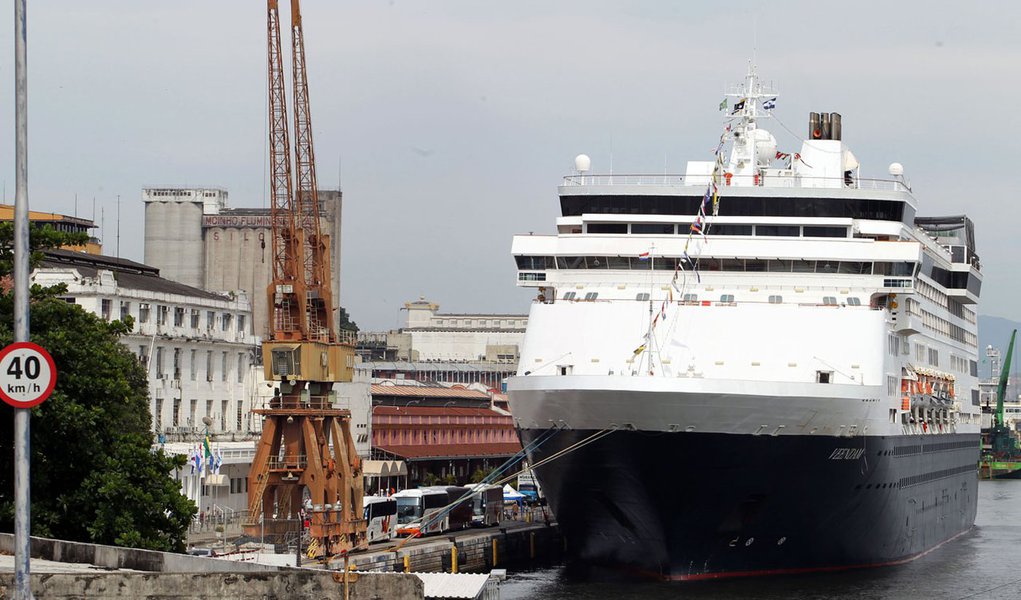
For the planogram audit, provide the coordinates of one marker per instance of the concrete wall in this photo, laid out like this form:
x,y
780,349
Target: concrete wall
x,y
241,258
173,240
265,586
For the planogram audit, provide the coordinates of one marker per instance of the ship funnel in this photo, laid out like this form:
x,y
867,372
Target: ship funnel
x,y
824,126
814,132
834,126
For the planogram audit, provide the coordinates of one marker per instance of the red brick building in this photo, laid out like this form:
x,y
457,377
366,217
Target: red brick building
x,y
438,430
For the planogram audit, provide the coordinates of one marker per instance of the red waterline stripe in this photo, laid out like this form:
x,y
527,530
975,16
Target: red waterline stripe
x,y
799,570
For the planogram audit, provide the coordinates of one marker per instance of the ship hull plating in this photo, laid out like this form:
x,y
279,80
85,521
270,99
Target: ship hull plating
x,y
701,505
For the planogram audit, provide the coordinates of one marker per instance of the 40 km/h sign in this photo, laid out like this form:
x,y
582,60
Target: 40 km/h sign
x,y
27,374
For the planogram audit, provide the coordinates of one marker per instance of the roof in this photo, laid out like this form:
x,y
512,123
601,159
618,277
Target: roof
x,y
435,411
129,274
453,450
413,391
453,585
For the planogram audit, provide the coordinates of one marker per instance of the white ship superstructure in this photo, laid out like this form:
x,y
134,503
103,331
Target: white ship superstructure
x,y
761,296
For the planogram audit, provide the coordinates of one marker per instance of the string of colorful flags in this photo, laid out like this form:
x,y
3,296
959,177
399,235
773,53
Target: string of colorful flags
x,y
699,230
204,458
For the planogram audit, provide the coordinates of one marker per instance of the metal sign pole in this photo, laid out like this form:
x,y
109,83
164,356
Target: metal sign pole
x,y
22,516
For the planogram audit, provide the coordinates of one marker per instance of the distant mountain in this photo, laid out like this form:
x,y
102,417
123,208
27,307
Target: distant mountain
x,y
995,332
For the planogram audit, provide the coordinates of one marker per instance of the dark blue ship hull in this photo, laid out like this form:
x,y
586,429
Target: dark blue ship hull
x,y
701,505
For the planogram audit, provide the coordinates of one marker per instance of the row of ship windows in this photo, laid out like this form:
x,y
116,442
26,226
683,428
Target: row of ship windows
x,y
724,299
718,229
940,325
668,263
957,309
479,323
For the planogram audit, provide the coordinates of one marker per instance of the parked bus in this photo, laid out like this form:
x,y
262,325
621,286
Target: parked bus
x,y
487,506
460,516
416,506
380,518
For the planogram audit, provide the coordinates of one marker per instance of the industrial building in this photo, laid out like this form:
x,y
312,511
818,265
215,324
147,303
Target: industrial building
x,y
193,236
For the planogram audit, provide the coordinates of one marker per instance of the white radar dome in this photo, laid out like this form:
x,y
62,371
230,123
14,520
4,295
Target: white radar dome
x,y
896,169
582,163
765,146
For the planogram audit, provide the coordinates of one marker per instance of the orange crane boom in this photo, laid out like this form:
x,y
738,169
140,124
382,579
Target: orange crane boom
x,y
305,468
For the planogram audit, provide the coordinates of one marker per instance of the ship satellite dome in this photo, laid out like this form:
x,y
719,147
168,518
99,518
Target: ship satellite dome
x,y
582,163
896,169
765,146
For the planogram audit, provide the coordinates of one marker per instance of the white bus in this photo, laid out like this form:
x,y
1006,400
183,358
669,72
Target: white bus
x,y
380,518
414,506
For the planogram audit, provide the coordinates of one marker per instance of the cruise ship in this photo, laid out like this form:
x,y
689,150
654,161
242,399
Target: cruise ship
x,y
765,365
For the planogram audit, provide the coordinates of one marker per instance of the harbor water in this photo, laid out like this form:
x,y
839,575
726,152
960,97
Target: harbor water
x,y
982,564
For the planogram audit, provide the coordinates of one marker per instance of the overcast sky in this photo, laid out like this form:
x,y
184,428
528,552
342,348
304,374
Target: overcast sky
x,y
454,120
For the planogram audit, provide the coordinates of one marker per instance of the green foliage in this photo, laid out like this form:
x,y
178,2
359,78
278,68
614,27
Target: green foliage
x,y
478,475
450,479
95,477
39,238
344,321
430,479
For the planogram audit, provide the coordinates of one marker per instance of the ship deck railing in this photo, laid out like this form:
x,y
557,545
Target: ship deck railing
x,y
769,181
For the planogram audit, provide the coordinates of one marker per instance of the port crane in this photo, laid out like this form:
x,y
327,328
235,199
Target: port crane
x,y
306,449
1004,444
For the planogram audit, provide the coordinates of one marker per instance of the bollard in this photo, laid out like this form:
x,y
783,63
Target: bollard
x,y
407,563
531,545
453,558
494,552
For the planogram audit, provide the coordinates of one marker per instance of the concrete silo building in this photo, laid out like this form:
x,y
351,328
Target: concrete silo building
x,y
194,237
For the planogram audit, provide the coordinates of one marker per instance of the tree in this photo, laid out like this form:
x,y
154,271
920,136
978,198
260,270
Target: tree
x,y
344,321
95,475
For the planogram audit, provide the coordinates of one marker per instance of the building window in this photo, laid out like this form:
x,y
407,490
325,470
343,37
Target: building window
x,y
226,321
159,362
143,312
239,415
209,410
210,320
178,316
107,308
175,418
223,367
162,311
209,365
143,355
223,415
125,310
191,365
241,324
177,363
934,357
195,318
159,415
241,367
191,412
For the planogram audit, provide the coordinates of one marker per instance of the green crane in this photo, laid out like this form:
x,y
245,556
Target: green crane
x,y
1004,443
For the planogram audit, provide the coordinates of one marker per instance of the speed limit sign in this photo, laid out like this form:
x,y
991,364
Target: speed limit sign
x,y
27,374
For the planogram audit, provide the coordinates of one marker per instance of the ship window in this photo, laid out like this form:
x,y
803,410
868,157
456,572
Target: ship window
x,y
727,298
591,295
570,262
778,230
779,266
853,301
642,297
664,263
570,295
754,265
639,264
690,299
535,263
837,232
618,262
856,268
803,266
652,228
829,300
826,266
776,299
727,230
824,376
732,264
607,227
595,262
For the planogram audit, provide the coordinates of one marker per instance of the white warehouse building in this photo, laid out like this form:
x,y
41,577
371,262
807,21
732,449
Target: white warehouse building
x,y
200,354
